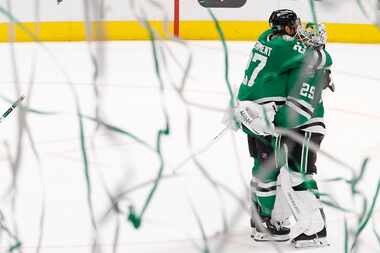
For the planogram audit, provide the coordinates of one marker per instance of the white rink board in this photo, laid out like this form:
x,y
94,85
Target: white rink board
x,y
335,11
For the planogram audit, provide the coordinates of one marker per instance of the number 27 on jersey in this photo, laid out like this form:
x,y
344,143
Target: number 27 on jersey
x,y
259,61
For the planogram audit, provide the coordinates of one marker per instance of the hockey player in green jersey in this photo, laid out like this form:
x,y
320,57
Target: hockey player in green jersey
x,y
262,91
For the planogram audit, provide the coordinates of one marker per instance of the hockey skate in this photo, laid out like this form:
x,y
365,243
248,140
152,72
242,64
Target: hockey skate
x,y
307,241
274,231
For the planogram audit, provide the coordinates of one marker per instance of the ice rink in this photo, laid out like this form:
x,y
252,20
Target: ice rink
x,y
209,194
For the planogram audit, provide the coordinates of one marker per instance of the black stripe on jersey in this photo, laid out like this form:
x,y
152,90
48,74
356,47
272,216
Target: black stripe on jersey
x,y
295,102
312,124
276,102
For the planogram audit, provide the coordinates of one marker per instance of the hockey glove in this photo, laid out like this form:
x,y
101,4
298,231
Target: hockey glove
x,y
257,118
327,81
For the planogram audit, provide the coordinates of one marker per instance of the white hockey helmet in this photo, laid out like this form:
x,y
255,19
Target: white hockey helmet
x,y
312,35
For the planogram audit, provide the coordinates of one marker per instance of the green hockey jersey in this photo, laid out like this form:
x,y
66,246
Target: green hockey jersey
x,y
264,79
304,92
283,71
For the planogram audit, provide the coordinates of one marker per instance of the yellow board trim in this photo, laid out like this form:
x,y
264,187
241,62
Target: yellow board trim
x,y
232,30
189,30
78,31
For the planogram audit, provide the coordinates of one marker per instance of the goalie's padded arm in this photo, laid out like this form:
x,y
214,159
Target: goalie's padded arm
x,y
293,114
302,97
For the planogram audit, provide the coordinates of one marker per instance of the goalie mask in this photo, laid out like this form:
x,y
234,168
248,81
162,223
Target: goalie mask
x,y
313,35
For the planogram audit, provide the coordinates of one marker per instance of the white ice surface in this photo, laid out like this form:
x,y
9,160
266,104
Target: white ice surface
x,y
131,100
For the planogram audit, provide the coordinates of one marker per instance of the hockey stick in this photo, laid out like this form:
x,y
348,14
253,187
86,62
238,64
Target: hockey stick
x,y
203,149
11,108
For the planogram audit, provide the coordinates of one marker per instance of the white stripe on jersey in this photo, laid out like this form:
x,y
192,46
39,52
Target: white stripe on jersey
x,y
266,194
303,103
314,120
264,185
298,110
323,60
315,129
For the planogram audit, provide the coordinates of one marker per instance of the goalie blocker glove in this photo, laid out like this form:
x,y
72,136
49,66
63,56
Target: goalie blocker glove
x,y
257,118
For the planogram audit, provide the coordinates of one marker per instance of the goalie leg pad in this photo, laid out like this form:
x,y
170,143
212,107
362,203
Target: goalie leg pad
x,y
281,211
303,205
316,220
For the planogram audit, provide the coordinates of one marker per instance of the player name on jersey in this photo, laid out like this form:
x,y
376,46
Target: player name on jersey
x,y
263,49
